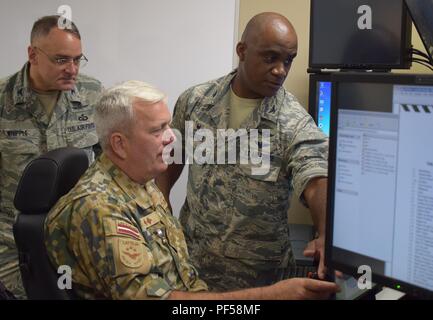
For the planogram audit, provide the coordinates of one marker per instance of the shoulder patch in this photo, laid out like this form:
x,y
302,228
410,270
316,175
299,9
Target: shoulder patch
x,y
131,253
126,229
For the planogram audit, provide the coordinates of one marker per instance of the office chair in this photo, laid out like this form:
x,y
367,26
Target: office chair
x,y
43,182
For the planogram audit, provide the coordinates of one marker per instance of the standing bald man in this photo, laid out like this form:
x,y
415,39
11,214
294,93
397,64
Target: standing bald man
x,y
44,106
234,217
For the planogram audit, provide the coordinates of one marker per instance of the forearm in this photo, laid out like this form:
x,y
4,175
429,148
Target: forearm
x,y
316,196
247,294
288,289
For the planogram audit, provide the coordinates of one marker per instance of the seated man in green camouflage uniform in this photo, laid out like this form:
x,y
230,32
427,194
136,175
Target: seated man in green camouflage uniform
x,y
235,221
114,228
44,106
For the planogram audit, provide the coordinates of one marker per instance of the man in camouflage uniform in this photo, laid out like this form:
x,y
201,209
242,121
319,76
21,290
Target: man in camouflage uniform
x,y
44,106
114,229
235,221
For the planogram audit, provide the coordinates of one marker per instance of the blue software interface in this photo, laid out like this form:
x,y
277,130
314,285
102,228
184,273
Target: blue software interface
x,y
324,105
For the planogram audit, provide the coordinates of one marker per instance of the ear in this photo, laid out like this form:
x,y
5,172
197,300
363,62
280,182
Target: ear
x,y
119,145
32,55
241,47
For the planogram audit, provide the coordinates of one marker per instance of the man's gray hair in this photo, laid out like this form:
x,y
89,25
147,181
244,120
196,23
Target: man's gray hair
x,y
114,111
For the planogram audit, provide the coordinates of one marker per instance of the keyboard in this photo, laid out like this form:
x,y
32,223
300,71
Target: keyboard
x,y
300,235
300,271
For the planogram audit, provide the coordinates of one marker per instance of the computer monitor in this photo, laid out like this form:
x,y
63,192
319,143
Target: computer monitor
x,y
319,107
421,12
319,100
359,34
380,186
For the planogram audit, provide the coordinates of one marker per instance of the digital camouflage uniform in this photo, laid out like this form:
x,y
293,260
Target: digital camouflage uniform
x,y
25,133
119,238
235,222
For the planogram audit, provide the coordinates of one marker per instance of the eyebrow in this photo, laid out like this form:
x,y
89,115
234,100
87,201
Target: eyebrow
x,y
158,127
277,52
290,56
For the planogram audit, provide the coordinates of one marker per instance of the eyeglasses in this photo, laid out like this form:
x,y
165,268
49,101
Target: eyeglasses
x,y
80,61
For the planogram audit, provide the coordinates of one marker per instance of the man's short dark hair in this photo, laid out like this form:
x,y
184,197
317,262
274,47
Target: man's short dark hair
x,y
43,26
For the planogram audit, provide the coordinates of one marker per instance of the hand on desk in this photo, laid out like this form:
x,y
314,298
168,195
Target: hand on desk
x,y
304,288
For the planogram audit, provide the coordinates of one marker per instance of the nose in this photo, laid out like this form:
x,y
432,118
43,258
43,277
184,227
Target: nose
x,y
280,70
168,137
71,67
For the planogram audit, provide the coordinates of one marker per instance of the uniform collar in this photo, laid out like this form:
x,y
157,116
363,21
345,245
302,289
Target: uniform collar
x,y
268,109
23,93
133,190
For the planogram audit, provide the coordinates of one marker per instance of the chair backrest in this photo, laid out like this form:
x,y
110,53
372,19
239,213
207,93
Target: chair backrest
x,y
44,181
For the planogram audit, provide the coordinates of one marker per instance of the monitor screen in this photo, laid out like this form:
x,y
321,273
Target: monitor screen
x,y
421,12
380,199
359,34
320,100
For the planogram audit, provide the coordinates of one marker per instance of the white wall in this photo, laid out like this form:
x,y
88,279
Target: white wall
x,y
171,44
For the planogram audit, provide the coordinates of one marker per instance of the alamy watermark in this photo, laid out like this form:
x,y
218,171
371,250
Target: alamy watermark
x,y
64,282
223,146
65,19
364,281
365,21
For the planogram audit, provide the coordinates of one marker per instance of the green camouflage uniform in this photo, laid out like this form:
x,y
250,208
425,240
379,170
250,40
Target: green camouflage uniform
x,y
119,238
25,133
235,222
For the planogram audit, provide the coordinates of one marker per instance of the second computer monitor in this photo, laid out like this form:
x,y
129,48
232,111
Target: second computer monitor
x,y
320,99
359,34
380,192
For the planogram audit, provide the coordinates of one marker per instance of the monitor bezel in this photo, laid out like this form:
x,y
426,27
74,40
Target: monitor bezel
x,y
398,79
405,48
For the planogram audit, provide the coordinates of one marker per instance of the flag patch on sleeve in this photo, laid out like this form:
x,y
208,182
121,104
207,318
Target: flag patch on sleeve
x,y
126,229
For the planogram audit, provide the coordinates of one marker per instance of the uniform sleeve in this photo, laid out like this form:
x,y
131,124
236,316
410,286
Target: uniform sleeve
x,y
179,112
117,258
178,121
307,156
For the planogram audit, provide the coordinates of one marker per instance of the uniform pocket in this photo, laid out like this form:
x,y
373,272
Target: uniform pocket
x,y
17,153
80,128
81,135
177,241
261,172
16,142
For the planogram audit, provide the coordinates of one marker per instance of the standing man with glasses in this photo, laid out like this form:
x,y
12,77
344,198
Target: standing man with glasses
x,y
44,106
